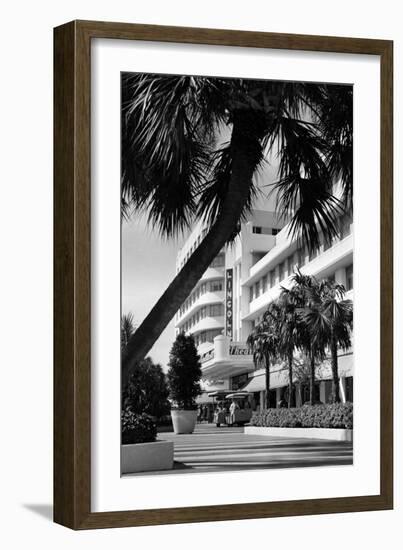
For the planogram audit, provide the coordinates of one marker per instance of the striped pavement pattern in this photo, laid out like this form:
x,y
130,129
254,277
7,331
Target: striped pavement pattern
x,y
210,448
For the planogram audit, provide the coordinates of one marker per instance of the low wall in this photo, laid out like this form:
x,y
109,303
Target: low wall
x,y
146,457
335,434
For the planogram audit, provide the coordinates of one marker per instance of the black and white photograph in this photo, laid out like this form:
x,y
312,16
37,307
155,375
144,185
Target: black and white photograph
x,y
236,274
206,256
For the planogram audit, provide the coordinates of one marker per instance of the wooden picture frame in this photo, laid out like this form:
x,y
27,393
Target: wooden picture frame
x,y
72,269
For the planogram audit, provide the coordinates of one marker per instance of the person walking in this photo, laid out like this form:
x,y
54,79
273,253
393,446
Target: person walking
x,y
233,407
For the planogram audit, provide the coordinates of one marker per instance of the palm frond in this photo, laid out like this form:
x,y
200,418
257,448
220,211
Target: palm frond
x,y
213,195
165,146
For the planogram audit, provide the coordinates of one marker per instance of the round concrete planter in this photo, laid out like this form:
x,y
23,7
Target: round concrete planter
x,y
184,422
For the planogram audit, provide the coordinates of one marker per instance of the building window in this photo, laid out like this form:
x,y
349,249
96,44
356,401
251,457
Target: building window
x,y
331,278
349,277
301,256
275,231
239,381
257,229
264,284
291,264
216,310
349,389
218,261
272,278
251,297
281,271
345,223
215,286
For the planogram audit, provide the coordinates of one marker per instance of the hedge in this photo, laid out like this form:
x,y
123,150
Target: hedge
x,y
137,428
337,415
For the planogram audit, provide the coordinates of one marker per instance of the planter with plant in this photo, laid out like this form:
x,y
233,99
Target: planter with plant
x,y
140,452
184,376
331,421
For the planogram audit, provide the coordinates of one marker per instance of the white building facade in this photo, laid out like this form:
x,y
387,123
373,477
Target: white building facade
x,y
234,292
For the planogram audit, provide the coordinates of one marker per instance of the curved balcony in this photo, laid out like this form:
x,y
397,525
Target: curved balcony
x,y
329,260
212,273
203,300
208,323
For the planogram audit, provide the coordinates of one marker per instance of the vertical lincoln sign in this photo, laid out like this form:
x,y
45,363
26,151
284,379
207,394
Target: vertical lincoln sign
x,y
228,302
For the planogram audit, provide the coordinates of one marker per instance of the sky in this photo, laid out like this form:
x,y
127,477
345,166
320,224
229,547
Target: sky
x,y
148,266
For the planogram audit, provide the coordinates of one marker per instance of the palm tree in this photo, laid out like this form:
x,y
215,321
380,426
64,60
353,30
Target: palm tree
x,y
263,342
312,339
329,320
127,329
291,331
174,166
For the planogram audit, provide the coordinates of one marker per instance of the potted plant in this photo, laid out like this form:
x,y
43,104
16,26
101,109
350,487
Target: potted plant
x,y
184,376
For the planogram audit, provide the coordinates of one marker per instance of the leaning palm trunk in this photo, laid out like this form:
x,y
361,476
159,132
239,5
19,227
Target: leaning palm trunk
x,y
335,370
267,376
245,151
290,386
312,378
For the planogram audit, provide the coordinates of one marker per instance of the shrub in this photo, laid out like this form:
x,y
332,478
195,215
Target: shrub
x,y
184,372
147,390
137,428
337,415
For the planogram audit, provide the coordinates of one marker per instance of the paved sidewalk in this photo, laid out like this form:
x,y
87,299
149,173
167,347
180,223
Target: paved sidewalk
x,y
210,448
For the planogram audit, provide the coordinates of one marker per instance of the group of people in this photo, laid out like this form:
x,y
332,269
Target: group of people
x,y
205,413
221,413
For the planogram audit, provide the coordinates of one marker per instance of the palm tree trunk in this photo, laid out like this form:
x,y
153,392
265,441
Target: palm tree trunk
x,y
245,152
290,386
335,371
267,374
312,379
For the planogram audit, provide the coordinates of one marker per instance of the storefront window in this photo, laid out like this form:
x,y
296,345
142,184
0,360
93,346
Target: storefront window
x,y
237,382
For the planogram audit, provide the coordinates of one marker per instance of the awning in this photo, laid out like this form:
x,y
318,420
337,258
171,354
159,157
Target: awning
x,y
257,383
204,399
238,394
279,378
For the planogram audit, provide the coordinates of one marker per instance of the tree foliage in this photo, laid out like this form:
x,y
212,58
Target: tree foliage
x,y
184,372
127,329
147,390
311,317
175,168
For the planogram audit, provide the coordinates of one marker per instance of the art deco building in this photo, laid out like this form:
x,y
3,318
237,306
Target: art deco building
x,y
231,297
